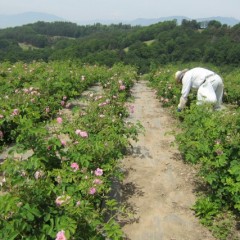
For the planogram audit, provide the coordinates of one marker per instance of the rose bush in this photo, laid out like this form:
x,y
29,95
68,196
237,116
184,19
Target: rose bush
x,y
61,190
211,140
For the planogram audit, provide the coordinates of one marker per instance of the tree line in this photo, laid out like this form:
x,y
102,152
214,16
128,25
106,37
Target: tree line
x,y
142,46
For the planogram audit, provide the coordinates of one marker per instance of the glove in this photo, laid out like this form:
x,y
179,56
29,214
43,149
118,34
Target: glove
x,y
179,110
182,103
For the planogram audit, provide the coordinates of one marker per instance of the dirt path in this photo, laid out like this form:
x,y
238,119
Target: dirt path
x,y
158,186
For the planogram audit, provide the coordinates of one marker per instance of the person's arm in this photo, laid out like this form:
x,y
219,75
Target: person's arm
x,y
182,103
186,87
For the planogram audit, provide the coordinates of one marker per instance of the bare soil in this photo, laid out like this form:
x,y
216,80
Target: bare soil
x,y
159,187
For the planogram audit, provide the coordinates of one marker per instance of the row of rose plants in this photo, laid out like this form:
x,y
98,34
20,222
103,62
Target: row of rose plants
x,y
211,141
61,191
162,78
38,90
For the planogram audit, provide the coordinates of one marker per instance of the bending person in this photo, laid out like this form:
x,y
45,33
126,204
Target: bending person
x,y
208,83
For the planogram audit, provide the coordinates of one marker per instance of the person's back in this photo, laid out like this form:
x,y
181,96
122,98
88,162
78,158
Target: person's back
x,y
208,83
196,76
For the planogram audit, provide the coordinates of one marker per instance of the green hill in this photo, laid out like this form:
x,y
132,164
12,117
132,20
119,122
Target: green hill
x,y
143,46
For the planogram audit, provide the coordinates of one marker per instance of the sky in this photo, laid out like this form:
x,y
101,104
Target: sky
x,y
75,10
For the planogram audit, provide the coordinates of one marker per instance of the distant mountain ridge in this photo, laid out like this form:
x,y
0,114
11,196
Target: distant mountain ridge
x,y
31,17
223,20
148,21
25,18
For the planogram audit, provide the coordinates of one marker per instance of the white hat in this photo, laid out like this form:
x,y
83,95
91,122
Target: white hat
x,y
179,75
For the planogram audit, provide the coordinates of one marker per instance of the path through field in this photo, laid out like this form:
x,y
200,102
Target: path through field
x,y
158,186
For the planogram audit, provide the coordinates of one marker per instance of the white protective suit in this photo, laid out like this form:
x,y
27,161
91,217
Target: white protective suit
x,y
209,85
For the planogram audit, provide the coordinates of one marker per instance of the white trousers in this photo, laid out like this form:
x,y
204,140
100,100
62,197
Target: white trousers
x,y
211,91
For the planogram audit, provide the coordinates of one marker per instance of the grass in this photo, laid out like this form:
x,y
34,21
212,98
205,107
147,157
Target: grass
x,y
27,47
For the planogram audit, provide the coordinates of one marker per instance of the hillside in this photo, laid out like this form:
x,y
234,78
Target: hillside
x,y
142,46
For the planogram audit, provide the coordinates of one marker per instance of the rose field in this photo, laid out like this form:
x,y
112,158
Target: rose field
x,y
62,187
66,141
211,140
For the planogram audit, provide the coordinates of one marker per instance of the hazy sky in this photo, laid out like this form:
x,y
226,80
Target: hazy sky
x,y
124,9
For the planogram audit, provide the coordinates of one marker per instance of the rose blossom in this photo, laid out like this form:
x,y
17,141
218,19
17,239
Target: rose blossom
x,y
122,87
75,166
38,174
61,199
98,172
61,235
83,134
78,131
15,112
92,191
47,109
97,181
59,120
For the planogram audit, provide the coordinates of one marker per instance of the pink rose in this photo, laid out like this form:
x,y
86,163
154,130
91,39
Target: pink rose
x,y
97,181
122,87
59,120
75,166
78,131
61,235
81,133
63,142
92,191
15,112
98,172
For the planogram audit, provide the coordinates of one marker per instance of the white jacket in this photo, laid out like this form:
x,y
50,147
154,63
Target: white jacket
x,y
209,84
194,78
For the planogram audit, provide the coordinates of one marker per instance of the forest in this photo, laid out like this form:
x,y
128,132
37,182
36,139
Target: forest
x,y
144,47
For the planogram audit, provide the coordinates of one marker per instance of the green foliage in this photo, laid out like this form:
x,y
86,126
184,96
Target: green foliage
x,y
217,44
63,184
206,210
210,139
232,86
